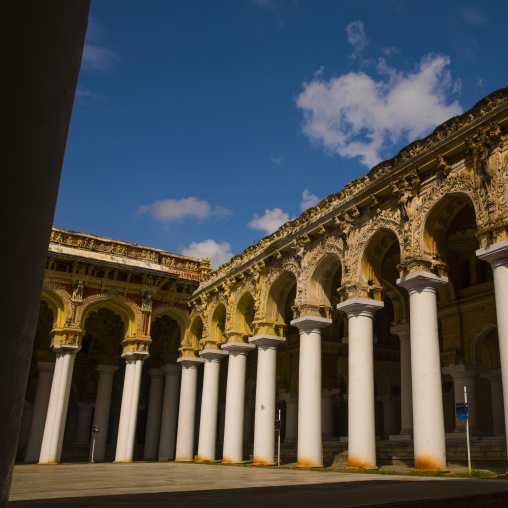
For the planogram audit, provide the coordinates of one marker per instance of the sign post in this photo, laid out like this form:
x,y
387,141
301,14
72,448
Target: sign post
x,y
95,429
278,425
461,413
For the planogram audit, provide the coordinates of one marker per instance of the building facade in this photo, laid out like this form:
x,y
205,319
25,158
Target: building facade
x,y
366,316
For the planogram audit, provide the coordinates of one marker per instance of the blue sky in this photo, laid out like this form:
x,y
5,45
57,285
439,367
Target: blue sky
x,y
200,126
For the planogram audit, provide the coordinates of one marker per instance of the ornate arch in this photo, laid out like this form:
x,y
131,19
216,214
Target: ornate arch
x,y
475,341
59,301
129,312
179,315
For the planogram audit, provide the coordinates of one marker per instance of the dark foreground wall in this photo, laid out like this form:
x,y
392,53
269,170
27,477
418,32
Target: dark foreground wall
x,y
41,43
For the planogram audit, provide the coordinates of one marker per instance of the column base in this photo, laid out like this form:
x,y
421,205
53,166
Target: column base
x,y
225,461
184,460
261,462
47,463
198,458
307,464
123,462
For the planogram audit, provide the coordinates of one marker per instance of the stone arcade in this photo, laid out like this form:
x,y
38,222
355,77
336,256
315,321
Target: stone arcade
x,y
366,316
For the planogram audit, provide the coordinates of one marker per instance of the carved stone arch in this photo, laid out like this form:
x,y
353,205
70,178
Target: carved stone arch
x,y
243,311
130,313
400,309
195,334
219,300
59,301
179,315
475,344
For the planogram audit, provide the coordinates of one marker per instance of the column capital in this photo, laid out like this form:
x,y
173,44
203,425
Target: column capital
x,y
62,349
462,370
190,361
135,355
311,324
421,281
495,254
238,348
492,375
264,340
172,369
360,306
156,372
213,355
401,328
106,369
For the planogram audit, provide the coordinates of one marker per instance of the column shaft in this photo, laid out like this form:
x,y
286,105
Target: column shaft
x,y
153,421
54,428
291,416
169,411
496,391
187,409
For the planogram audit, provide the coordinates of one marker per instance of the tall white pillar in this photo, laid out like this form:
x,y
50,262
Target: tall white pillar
x,y
497,255
102,408
84,424
291,400
187,409
428,417
235,401
264,418
402,329
361,403
464,375
153,420
51,448
389,415
209,405
496,392
310,439
327,399
169,411
40,410
129,409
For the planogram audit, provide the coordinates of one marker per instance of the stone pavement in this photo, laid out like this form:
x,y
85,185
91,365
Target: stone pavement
x,y
194,485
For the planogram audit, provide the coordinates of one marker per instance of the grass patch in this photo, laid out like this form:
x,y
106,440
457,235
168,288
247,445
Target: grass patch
x,y
476,473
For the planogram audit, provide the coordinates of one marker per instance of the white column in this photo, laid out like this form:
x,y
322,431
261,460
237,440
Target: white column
x,y
389,415
169,411
266,387
235,401
102,408
209,404
497,256
402,329
465,375
327,399
153,420
187,409
84,425
291,399
428,417
129,409
40,410
54,428
310,440
361,404
496,392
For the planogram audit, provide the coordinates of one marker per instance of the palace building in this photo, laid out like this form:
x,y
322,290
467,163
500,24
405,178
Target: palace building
x,y
363,320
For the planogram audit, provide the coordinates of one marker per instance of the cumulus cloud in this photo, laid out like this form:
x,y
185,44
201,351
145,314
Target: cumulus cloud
x,y
308,200
177,209
218,253
357,37
270,221
355,115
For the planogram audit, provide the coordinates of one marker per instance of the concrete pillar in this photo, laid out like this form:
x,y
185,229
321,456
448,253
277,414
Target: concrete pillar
x,y
465,375
361,410
129,409
327,400
264,418
310,440
291,399
497,255
187,409
209,405
172,373
248,423
54,428
153,420
389,415
102,408
235,401
84,423
40,410
26,422
496,392
428,417
402,329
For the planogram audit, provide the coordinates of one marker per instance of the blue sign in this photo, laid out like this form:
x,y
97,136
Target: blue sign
x,y
461,411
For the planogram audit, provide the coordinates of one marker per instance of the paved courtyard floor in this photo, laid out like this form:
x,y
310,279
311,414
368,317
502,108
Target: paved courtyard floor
x,y
202,485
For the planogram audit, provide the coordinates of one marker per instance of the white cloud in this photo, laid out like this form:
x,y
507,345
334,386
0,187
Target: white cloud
x,y
356,116
270,221
277,160
218,253
95,55
357,37
177,209
308,200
